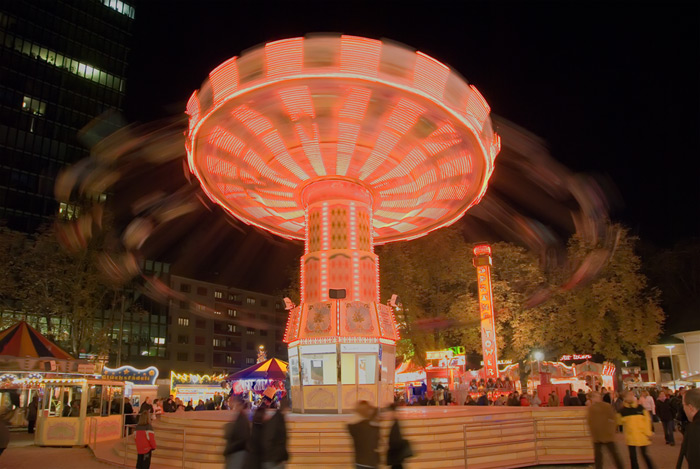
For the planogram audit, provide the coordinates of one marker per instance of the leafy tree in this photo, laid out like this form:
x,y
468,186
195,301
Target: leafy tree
x,y
614,315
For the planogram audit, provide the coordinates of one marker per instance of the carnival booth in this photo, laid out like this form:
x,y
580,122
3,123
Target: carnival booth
x,y
26,358
78,411
193,387
264,378
558,377
409,382
138,383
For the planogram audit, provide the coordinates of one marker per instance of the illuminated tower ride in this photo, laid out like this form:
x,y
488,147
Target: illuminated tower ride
x,y
343,142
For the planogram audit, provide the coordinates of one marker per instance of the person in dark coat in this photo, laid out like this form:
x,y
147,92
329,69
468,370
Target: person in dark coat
x,y
399,448
665,414
237,434
690,449
146,406
169,404
129,418
365,436
255,442
275,452
32,411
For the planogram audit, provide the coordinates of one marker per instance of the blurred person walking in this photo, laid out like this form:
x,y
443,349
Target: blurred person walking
x,y
602,418
237,434
553,400
365,436
665,414
399,447
275,455
646,401
145,441
32,412
256,446
637,430
690,448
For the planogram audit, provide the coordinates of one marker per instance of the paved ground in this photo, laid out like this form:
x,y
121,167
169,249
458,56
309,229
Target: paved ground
x,y
22,454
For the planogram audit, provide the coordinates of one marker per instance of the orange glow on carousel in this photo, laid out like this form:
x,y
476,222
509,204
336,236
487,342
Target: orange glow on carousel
x,y
343,142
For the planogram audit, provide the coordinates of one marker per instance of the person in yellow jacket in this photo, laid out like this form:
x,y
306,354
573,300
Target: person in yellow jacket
x,y
635,424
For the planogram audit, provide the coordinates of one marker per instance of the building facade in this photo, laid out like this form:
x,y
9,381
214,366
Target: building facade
x,y
62,63
204,328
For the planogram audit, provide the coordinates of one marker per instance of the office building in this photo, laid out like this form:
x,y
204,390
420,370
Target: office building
x,y
62,63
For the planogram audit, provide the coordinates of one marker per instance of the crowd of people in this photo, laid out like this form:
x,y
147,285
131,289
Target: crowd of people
x,y
634,414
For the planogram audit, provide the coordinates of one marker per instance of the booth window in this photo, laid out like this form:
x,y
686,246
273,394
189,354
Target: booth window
x,y
63,401
293,369
319,368
94,397
357,368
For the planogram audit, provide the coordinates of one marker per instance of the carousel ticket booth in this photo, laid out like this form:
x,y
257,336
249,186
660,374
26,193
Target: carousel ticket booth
x,y
78,411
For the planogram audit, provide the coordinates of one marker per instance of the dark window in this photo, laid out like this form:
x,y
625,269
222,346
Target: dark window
x,y
199,340
182,356
250,346
263,303
184,305
184,287
263,332
183,339
199,357
200,323
202,291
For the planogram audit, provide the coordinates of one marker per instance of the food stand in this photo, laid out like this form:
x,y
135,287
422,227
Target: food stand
x,y
194,387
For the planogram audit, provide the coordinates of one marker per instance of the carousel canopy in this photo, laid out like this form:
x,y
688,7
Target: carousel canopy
x,y
22,340
269,369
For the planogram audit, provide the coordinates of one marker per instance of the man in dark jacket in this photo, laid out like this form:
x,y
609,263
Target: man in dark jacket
x,y
129,418
665,414
237,434
275,439
690,449
169,405
365,436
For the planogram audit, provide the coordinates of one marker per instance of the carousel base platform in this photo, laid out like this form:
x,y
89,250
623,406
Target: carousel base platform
x,y
446,437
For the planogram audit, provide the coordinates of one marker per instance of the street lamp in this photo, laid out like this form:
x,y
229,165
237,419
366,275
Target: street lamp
x,y
673,374
625,362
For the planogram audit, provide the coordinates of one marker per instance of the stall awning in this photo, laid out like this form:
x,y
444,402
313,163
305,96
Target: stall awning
x,y
23,341
269,369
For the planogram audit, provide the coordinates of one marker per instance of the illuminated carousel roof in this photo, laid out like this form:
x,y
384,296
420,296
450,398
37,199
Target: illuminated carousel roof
x,y
395,121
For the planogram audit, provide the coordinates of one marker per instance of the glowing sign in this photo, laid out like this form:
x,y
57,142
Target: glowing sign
x,y
566,358
438,354
132,375
482,261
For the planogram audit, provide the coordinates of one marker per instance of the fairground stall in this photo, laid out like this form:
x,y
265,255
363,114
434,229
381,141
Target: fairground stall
x,y
262,379
77,411
194,387
139,384
558,376
26,357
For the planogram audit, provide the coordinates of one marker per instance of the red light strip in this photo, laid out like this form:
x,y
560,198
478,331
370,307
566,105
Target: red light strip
x,y
359,55
284,57
224,79
430,75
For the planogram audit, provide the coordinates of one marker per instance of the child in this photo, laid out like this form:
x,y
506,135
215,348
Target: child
x,y
145,441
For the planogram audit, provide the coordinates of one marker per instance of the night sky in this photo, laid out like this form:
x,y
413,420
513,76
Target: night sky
x,y
613,89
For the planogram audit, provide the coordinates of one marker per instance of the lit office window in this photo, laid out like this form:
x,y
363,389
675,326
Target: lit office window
x,y
36,107
250,301
121,7
183,321
218,294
